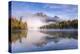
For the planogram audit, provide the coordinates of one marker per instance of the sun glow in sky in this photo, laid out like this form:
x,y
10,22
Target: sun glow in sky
x,y
33,22
27,9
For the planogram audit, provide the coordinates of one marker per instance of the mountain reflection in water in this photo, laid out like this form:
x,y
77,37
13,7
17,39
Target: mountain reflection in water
x,y
40,40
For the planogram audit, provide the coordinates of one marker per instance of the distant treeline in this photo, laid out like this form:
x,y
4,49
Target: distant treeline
x,y
17,24
62,25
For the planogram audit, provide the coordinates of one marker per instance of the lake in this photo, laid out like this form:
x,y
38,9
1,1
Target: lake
x,y
44,40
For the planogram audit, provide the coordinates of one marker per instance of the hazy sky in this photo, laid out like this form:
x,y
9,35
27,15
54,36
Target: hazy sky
x,y
61,10
27,9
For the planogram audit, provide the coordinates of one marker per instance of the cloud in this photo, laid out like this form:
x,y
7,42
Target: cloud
x,y
26,8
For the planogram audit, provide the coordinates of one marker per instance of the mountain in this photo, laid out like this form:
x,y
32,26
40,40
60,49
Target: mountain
x,y
47,18
40,14
53,19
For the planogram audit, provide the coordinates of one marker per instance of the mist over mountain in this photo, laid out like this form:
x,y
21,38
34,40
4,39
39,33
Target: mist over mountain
x,y
41,14
47,18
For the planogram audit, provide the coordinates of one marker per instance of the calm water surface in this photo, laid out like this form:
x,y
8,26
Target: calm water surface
x,y
39,40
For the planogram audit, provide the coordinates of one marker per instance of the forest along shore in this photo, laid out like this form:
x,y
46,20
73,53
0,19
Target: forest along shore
x,y
17,24
70,24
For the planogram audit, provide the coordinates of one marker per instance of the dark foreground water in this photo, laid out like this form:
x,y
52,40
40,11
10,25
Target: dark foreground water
x,y
42,40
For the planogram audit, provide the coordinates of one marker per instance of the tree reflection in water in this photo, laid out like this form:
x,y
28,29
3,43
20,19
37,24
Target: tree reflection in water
x,y
61,34
56,36
18,35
